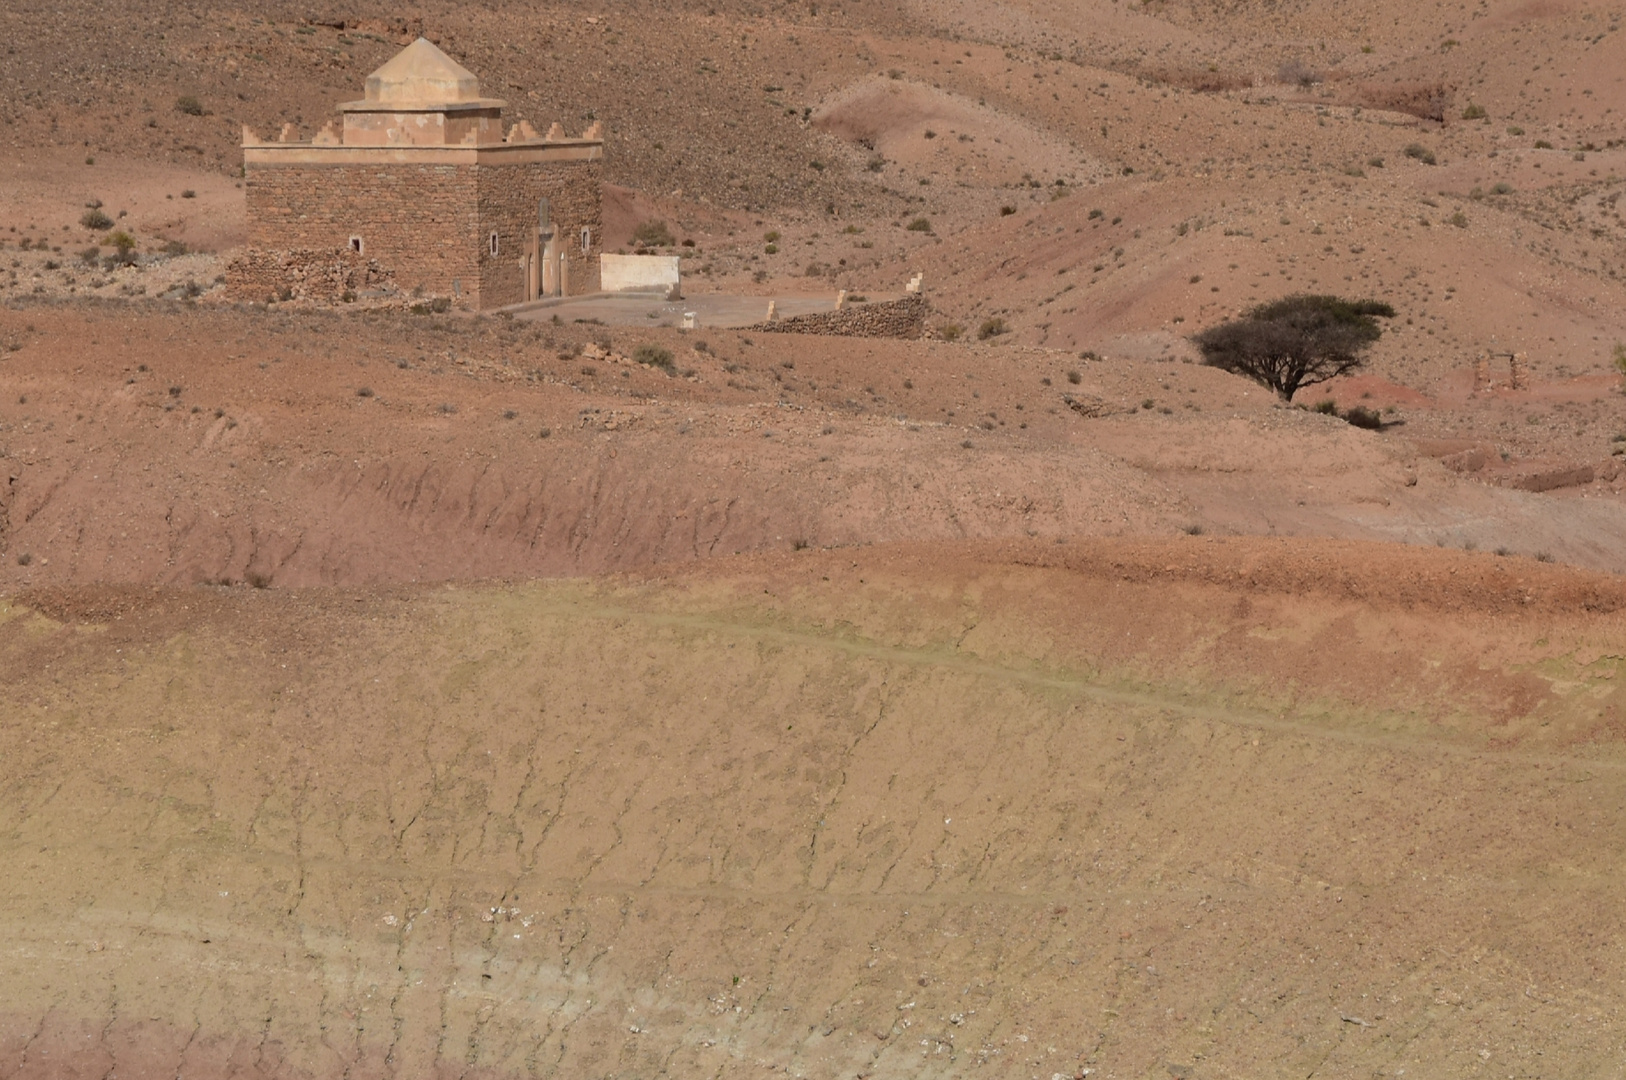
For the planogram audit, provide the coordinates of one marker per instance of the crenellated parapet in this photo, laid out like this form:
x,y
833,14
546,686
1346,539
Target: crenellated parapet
x,y
423,105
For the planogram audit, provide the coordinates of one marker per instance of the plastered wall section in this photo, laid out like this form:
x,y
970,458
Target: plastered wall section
x,y
640,273
419,221
509,195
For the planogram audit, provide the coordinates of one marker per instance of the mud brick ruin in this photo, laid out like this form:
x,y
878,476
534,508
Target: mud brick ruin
x,y
1517,364
421,180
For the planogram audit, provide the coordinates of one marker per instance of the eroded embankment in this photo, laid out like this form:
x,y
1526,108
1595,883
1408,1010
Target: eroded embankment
x,y
893,812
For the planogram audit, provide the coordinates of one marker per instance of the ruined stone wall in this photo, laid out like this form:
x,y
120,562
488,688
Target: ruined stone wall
x,y
902,318
419,222
508,198
328,276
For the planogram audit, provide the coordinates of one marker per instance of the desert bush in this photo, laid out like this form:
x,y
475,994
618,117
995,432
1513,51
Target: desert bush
x,y
90,255
95,220
654,356
1294,342
1328,407
190,106
653,234
950,331
1459,219
1362,417
1419,152
174,247
920,224
1619,360
1475,112
188,193
1006,211
1297,73
123,250
1543,144
1074,377
1502,188
991,327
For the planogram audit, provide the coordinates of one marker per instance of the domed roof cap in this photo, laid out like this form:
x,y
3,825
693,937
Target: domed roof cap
x,y
421,75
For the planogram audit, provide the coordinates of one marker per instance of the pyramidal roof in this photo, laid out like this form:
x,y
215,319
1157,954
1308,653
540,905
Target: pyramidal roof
x,y
421,74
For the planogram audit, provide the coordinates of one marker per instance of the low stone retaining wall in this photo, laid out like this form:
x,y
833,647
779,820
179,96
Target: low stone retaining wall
x,y
304,274
902,318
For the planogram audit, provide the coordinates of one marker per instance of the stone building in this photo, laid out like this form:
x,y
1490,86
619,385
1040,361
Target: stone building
x,y
421,182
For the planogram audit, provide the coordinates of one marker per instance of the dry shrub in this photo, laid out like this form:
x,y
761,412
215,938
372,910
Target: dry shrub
x,y
1298,73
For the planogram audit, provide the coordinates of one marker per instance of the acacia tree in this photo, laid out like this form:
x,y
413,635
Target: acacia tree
x,y
1296,341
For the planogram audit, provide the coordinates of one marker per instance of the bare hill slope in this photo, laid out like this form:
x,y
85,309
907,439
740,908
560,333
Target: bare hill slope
x,y
1113,810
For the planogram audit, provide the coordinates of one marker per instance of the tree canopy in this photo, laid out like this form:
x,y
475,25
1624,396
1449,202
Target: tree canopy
x,y
1296,341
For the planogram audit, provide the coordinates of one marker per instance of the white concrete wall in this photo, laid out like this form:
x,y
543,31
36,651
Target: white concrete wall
x,y
639,273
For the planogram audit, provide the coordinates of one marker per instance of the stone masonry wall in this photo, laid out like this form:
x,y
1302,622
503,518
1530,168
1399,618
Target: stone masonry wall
x,y
509,195
902,318
419,222
325,275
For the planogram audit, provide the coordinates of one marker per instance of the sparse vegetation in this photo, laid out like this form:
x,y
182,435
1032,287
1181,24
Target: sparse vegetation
x,y
920,224
123,249
1297,73
950,331
96,221
991,328
1419,152
1294,342
1475,112
653,234
189,105
654,356
1362,417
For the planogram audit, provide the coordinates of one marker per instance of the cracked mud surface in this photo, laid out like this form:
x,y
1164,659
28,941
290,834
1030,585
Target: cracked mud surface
x,y
914,810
